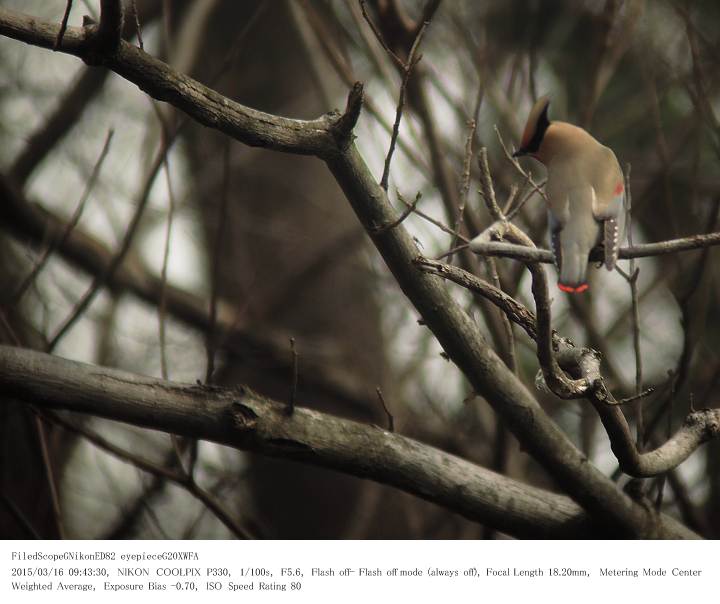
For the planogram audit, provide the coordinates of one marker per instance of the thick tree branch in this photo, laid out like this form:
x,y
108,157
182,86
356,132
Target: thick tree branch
x,y
182,479
513,309
91,255
554,377
240,418
252,127
698,427
71,106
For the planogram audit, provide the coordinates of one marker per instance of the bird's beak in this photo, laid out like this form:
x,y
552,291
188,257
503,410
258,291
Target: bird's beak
x,y
519,153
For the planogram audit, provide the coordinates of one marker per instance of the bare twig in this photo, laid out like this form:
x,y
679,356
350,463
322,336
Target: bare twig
x,y
93,257
684,300
50,476
378,34
165,134
409,209
526,175
210,339
452,251
69,110
511,212
487,188
71,224
345,72
290,407
232,55
117,260
465,177
699,94
511,359
488,194
512,196
206,106
688,509
179,478
138,27
413,59
63,25
632,280
514,310
636,397
21,518
437,223
390,418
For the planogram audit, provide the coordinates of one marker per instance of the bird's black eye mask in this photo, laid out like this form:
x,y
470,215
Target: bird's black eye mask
x,y
533,145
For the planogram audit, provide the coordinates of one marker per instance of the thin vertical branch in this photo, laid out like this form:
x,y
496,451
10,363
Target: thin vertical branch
x,y
290,409
50,476
633,281
72,223
413,59
210,340
501,446
177,444
378,34
138,27
44,452
344,71
101,279
162,306
465,178
167,27
63,25
182,479
19,516
405,68
515,164
390,418
486,187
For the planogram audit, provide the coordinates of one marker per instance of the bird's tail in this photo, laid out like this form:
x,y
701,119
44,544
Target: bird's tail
x,y
573,271
573,242
573,245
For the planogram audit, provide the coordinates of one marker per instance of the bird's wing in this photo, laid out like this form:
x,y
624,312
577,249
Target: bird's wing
x,y
611,242
609,203
606,206
555,228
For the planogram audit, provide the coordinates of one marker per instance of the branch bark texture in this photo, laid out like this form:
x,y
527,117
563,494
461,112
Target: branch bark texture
x,y
242,419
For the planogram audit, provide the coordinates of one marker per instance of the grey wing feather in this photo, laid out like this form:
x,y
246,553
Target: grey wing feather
x,y
555,227
611,240
609,206
556,248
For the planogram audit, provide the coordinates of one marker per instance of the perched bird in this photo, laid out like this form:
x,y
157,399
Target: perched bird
x,y
585,191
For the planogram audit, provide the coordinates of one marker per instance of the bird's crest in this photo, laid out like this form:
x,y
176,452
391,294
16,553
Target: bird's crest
x,y
537,124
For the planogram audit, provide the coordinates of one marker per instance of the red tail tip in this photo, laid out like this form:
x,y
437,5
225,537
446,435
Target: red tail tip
x,y
573,290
